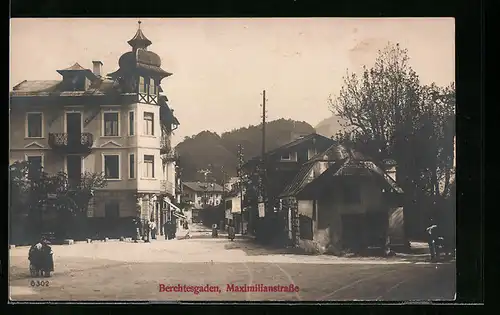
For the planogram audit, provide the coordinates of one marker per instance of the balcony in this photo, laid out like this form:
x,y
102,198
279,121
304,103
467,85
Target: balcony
x,y
170,156
165,144
71,144
167,187
178,189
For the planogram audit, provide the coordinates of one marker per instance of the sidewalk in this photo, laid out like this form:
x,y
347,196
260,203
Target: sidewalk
x,y
419,248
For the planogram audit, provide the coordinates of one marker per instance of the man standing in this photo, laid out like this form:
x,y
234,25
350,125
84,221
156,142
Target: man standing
x,y
146,236
431,239
152,226
166,230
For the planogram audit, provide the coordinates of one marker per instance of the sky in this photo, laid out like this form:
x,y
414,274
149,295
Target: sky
x,y
221,66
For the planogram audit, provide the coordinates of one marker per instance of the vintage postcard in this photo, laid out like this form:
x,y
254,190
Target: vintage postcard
x,y
239,159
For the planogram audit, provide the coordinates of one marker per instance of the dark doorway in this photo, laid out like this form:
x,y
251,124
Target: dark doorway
x,y
376,228
74,169
74,128
353,228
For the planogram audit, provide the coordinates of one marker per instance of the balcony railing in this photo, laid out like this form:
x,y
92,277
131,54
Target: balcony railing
x,y
71,144
169,156
178,189
167,187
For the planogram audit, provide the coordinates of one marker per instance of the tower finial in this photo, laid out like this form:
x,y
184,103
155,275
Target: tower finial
x,y
139,40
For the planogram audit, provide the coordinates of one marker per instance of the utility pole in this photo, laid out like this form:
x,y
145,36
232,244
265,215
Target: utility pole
x,y
223,173
262,169
205,173
240,179
264,113
263,158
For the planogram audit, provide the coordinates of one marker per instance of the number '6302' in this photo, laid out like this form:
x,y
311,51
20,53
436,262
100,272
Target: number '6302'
x,y
39,283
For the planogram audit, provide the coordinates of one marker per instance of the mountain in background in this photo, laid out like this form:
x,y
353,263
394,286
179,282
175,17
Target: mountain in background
x,y
208,150
330,126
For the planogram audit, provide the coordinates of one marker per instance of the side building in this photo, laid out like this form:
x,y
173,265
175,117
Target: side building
x,y
200,196
120,124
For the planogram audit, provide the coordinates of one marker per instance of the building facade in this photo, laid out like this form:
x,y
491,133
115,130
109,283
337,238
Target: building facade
x,y
119,125
269,176
316,194
340,200
233,212
200,195
228,186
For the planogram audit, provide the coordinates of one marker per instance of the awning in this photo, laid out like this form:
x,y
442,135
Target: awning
x,y
173,206
179,215
178,212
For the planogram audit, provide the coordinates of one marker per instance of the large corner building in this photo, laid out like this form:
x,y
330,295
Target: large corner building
x,y
119,124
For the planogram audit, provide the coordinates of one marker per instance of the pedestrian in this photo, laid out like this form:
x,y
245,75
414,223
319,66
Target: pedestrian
x,y
231,231
169,230
214,231
186,229
174,228
152,226
147,231
165,230
431,239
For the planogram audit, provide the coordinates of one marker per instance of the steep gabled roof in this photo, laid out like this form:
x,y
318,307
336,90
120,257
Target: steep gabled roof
x,y
297,142
339,167
355,167
302,178
204,187
289,145
337,152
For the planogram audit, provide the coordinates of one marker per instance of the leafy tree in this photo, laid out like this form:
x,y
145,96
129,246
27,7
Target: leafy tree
x,y
390,115
34,192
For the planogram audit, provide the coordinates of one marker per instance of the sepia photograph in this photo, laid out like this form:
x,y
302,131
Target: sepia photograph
x,y
232,159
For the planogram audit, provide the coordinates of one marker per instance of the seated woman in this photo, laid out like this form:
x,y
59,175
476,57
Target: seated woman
x,y
41,259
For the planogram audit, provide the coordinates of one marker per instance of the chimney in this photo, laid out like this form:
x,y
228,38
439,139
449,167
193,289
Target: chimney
x,y
97,67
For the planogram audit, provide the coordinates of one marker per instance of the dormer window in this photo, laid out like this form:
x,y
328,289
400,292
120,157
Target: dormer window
x,y
76,78
75,82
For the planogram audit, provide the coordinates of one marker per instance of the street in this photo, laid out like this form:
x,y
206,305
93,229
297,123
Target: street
x,y
135,271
